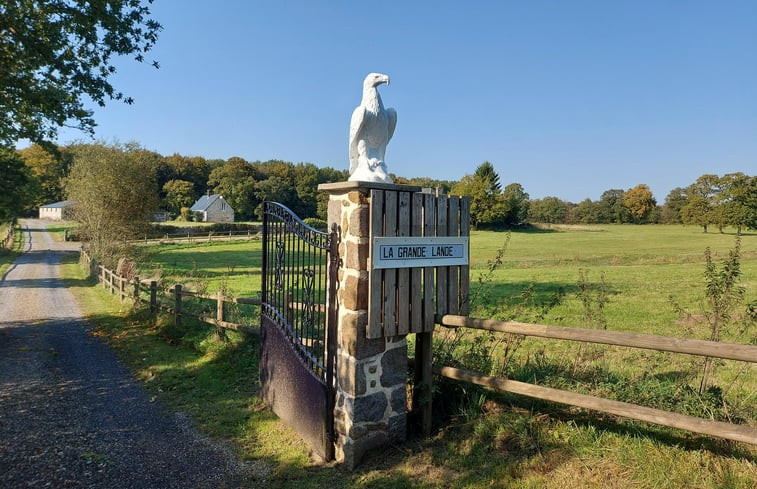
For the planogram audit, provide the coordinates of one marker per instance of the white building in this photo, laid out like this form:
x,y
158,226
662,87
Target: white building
x,y
58,211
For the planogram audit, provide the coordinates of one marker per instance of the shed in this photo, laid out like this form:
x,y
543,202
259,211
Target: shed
x,y
213,208
161,215
57,211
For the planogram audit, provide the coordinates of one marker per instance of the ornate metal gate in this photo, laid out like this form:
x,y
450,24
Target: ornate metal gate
x,y
298,325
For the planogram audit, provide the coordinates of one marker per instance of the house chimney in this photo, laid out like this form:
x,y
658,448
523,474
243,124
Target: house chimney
x,y
208,192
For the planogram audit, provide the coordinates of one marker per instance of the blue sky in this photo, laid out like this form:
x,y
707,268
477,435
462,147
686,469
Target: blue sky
x,y
567,98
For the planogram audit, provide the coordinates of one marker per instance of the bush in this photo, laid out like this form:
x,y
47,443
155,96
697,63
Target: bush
x,y
316,223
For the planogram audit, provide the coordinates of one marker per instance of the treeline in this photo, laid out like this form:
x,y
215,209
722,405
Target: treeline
x,y
36,176
177,181
728,200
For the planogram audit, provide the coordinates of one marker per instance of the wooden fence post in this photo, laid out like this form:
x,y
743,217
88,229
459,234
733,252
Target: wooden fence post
x,y
121,287
111,282
423,380
220,315
136,289
177,304
153,297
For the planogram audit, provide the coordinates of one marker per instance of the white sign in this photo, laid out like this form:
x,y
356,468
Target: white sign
x,y
419,251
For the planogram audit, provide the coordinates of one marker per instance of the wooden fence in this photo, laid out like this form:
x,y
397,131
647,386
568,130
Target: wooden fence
x,y
7,238
730,351
202,238
148,292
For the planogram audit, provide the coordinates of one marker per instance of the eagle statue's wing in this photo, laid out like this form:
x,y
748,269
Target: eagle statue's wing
x,y
392,116
356,126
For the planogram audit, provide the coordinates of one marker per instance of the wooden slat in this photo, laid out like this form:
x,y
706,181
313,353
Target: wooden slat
x,y
375,292
729,351
441,272
740,433
429,221
390,275
453,273
403,274
416,274
465,269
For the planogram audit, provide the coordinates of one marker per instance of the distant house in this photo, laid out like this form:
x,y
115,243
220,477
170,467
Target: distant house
x,y
58,211
213,208
160,215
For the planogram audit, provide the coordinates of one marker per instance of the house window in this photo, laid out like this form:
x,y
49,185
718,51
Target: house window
x,y
223,206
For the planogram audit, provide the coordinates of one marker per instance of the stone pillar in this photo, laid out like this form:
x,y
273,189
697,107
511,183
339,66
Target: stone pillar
x,y
371,374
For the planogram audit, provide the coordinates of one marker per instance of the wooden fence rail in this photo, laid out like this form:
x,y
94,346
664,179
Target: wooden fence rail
x,y
8,238
134,288
741,433
747,353
202,238
728,351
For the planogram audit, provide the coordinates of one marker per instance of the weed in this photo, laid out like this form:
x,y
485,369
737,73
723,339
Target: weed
x,y
723,296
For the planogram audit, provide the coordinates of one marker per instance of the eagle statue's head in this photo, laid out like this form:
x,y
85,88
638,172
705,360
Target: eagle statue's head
x,y
375,79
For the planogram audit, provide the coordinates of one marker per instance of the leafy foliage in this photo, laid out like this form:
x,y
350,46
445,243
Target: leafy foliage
x,y
179,194
47,169
115,194
14,182
640,202
723,306
57,53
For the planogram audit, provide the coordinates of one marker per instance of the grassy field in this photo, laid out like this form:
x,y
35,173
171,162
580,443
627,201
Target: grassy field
x,y
485,440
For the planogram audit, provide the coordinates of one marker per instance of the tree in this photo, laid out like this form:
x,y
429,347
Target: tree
x,y
613,210
236,181
674,202
587,212
274,189
697,212
179,193
548,209
55,54
707,186
114,192
195,169
485,173
487,206
48,169
702,207
516,204
640,203
739,200
14,181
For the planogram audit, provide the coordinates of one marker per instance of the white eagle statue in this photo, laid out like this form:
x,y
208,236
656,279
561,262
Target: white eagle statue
x,y
371,128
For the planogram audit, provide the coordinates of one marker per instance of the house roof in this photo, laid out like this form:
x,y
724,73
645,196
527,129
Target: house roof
x,y
204,202
56,205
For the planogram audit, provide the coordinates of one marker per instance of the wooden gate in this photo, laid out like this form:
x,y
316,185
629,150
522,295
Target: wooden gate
x,y
298,325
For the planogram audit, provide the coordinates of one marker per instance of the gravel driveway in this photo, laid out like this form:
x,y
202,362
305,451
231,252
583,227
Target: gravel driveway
x,y
70,414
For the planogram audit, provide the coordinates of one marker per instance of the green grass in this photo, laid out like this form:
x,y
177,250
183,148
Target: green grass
x,y
642,265
58,229
487,440
234,265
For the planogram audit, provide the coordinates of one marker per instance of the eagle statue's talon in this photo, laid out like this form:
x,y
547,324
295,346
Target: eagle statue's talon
x,y
371,128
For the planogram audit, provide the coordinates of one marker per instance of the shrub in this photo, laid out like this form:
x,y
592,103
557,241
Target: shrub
x,y
316,223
